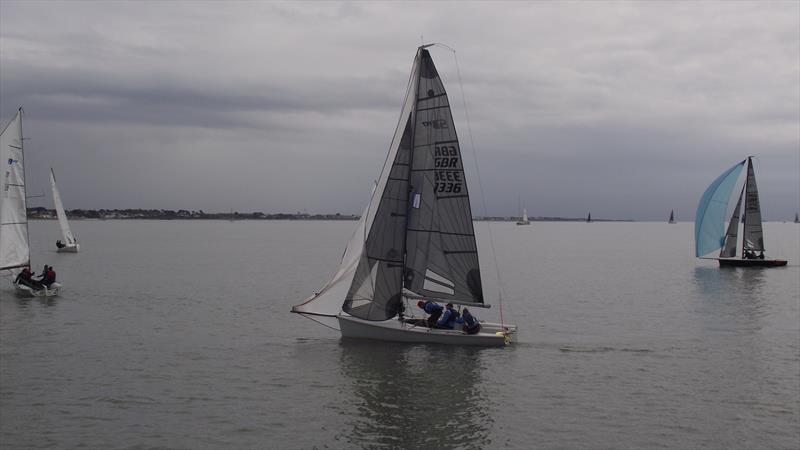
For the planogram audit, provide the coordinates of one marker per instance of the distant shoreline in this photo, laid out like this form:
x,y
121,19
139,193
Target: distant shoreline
x,y
181,214
41,213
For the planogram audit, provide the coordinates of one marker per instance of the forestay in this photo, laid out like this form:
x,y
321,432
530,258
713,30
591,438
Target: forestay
x,y
14,251
709,224
66,232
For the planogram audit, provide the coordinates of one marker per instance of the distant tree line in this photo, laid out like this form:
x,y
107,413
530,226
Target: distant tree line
x,y
169,214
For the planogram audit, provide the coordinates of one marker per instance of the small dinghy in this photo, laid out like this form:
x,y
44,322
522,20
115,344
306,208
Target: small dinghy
x,y
15,253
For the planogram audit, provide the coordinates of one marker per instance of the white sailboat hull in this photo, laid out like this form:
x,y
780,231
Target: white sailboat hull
x,y
70,249
394,330
26,291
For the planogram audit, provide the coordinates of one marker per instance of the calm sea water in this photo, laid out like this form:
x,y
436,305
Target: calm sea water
x,y
178,335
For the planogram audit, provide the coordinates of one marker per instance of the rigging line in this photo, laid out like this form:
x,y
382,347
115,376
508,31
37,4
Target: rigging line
x,y
319,322
480,183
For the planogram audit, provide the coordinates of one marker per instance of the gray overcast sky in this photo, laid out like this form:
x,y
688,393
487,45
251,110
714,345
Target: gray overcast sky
x,y
627,109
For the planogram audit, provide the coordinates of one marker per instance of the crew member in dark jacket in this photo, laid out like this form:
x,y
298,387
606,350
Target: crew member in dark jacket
x,y
432,308
50,278
448,319
24,278
471,325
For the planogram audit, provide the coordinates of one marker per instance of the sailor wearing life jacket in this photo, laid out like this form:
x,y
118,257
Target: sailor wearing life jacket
x,y
471,325
448,319
432,308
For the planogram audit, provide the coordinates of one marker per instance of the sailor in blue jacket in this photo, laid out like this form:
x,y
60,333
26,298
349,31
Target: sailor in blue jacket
x,y
448,319
432,308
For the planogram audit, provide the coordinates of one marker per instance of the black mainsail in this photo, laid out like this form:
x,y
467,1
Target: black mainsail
x,y
753,235
441,252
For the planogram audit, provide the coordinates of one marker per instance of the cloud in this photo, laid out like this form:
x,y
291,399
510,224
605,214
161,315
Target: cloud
x,y
632,107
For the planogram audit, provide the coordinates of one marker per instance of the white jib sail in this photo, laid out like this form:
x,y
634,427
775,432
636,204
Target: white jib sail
x,y
14,250
328,301
66,232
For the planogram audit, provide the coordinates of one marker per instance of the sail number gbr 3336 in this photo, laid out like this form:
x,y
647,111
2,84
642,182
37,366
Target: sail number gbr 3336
x,y
449,177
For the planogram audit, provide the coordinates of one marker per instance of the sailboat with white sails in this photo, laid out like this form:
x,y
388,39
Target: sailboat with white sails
x,y
15,251
416,238
709,225
69,244
524,220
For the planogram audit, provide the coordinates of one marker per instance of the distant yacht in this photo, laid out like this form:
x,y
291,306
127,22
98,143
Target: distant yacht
x,y
796,218
589,217
672,217
69,244
524,220
709,224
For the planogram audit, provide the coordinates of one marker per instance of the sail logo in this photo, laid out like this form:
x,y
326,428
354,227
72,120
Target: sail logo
x,y
12,161
436,123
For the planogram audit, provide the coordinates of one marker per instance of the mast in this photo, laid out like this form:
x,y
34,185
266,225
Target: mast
x,y
410,194
24,189
746,192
